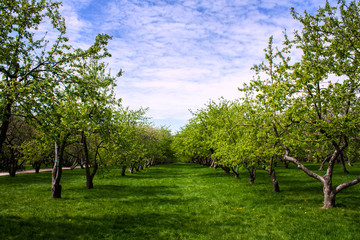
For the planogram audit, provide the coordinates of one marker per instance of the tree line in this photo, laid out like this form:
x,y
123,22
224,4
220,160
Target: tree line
x,y
57,102
301,106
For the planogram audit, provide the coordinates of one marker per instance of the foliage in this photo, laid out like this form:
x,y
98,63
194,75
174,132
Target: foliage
x,y
67,95
303,109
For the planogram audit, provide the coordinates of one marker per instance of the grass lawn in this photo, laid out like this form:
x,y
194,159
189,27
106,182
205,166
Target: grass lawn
x,y
176,201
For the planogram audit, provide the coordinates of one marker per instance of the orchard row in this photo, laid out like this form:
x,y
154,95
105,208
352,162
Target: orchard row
x,y
302,106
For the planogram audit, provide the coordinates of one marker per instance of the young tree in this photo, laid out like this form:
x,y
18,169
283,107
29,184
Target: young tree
x,y
124,139
94,98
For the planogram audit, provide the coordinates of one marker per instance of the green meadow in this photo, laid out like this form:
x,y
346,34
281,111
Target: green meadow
x,y
177,201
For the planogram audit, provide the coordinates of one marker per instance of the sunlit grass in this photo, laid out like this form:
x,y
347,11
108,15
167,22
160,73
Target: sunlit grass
x,y
176,201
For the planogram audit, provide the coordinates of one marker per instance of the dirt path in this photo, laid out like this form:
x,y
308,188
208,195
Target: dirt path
x,y
33,171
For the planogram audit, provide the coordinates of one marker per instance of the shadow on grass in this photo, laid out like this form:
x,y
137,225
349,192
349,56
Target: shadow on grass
x,y
120,191
162,172
27,178
121,226
40,178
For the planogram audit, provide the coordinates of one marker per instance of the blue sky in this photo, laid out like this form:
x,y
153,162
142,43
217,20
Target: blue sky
x,y
176,55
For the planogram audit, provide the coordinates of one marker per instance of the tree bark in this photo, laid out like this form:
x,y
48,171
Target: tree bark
x,y
89,177
329,195
56,172
275,183
57,169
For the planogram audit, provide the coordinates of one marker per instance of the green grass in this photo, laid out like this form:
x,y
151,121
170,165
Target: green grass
x,y
176,201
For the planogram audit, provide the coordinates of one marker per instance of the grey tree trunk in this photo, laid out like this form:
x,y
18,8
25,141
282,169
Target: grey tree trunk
x,y
275,183
57,168
329,195
57,171
89,176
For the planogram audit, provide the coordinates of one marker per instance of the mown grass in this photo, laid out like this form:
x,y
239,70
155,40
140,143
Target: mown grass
x,y
176,201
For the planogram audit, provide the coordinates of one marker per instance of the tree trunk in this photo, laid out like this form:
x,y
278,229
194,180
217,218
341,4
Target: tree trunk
x,y
329,192
348,160
89,183
212,163
89,178
272,174
131,168
5,123
343,163
275,183
12,171
123,170
36,165
57,169
226,169
235,171
252,174
325,159
329,195
12,163
95,168
286,164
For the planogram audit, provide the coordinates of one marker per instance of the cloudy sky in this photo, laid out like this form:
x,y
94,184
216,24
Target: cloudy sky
x,y
178,54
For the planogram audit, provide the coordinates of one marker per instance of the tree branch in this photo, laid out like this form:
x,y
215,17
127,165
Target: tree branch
x,y
287,157
346,185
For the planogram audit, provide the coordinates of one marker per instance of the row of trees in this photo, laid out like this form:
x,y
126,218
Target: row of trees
x,y
294,110
57,102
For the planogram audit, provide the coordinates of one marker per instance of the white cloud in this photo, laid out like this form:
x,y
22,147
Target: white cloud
x,y
178,54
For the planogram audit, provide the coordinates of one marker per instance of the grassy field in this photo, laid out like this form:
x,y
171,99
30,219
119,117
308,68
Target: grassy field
x,y
176,201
